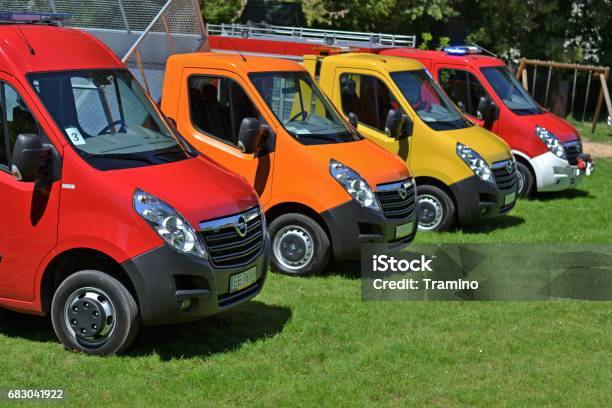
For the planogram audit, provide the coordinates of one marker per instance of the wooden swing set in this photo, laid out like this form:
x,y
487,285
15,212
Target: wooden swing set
x,y
597,72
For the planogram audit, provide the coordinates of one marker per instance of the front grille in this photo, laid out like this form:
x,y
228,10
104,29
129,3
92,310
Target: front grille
x,y
505,174
226,247
397,200
572,151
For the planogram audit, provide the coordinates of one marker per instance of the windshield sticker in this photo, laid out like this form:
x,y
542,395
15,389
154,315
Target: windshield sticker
x,y
75,136
299,131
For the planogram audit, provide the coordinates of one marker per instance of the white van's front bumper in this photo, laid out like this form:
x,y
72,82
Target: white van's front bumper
x,y
555,174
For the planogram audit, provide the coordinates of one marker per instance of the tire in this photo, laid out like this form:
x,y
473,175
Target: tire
x,y
94,295
437,211
300,246
525,180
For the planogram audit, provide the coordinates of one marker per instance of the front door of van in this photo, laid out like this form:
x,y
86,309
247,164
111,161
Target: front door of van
x,y
28,212
211,115
464,88
367,96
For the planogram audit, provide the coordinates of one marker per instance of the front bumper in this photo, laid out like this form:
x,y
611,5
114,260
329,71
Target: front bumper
x,y
163,279
350,225
555,174
477,200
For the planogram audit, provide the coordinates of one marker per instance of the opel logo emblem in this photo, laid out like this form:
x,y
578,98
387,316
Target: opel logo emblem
x,y
509,167
241,227
403,193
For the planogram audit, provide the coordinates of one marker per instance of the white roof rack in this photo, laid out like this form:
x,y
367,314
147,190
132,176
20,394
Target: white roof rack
x,y
311,35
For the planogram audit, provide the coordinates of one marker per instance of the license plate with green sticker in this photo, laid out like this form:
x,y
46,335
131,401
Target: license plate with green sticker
x,y
404,230
242,280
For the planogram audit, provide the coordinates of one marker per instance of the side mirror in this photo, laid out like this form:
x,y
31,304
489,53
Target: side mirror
x,y
249,135
487,109
27,157
394,123
353,119
461,106
408,126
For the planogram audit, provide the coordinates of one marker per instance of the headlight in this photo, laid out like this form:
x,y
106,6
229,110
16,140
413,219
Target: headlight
x,y
169,224
551,141
475,162
352,182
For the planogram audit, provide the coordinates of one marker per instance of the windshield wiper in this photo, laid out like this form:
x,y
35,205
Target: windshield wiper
x,y
123,156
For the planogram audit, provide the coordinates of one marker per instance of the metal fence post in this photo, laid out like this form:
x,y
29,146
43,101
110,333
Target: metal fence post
x,y
124,16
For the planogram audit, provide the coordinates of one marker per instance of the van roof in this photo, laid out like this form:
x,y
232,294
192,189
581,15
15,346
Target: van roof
x,y
55,49
478,60
221,60
375,61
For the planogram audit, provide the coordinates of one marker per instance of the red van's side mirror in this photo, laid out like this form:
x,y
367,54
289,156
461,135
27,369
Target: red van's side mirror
x,y
27,156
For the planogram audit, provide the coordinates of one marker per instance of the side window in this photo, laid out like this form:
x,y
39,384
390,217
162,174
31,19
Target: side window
x,y
368,97
16,119
217,107
463,88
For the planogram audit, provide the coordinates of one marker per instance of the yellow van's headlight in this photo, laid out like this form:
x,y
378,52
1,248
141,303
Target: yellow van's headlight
x,y
475,162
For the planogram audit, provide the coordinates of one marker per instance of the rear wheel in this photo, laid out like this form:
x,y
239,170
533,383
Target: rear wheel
x,y
94,313
300,246
525,180
436,209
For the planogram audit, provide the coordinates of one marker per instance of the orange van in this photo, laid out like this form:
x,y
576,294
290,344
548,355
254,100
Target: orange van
x,y
325,189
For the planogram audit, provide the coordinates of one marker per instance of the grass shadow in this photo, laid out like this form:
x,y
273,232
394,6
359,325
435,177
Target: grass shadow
x,y
221,333
217,334
566,194
28,327
486,226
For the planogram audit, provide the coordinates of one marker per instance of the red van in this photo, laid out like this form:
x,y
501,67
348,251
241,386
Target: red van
x,y
548,149
110,218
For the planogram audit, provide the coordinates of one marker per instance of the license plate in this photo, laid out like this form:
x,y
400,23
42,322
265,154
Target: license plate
x,y
510,198
242,280
404,230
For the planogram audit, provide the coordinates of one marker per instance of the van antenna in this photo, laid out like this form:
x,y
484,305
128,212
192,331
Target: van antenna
x,y
237,50
485,50
25,39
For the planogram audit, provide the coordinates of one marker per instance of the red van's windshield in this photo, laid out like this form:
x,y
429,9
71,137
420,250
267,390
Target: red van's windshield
x,y
107,118
510,91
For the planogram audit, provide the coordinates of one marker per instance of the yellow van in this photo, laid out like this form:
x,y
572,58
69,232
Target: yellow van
x,y
464,173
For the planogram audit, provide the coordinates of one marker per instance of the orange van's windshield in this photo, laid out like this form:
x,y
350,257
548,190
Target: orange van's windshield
x,y
301,108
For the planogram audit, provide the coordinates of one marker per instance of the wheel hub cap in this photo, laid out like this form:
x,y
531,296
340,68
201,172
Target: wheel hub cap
x,y
293,247
90,316
430,212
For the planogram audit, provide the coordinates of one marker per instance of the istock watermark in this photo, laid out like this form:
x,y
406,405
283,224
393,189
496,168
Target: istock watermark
x,y
487,272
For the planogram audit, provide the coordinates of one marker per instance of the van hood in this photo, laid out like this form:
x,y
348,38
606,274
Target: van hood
x,y
373,163
559,127
491,147
198,188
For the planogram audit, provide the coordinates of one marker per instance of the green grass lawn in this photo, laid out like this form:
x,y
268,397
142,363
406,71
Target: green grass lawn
x,y
312,341
603,133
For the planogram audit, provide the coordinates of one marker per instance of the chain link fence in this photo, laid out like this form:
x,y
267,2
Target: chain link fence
x,y
143,33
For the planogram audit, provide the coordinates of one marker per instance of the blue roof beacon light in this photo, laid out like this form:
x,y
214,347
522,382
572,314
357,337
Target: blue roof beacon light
x,y
32,17
462,50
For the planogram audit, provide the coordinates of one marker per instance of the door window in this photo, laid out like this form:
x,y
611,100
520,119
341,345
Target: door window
x,y
368,97
15,119
463,88
217,107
